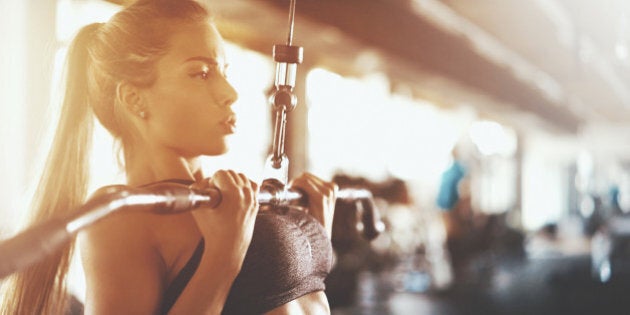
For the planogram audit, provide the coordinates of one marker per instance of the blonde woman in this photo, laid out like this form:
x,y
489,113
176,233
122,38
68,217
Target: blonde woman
x,y
154,76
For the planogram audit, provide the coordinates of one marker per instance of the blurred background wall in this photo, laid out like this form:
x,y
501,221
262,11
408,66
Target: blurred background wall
x,y
533,96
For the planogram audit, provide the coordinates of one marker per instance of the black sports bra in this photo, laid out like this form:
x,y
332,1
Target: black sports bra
x,y
289,256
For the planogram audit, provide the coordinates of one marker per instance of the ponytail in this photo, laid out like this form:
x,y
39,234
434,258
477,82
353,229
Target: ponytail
x,y
126,48
40,289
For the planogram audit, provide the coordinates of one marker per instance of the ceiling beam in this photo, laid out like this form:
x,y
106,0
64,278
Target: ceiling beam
x,y
405,35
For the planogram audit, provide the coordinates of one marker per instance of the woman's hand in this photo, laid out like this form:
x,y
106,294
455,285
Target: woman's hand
x,y
229,226
321,196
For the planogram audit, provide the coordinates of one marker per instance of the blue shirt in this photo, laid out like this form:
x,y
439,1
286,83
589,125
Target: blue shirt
x,y
448,194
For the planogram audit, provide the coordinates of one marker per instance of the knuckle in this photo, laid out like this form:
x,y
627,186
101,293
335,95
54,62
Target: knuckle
x,y
333,186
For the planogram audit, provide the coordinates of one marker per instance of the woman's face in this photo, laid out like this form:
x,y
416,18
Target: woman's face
x,y
189,105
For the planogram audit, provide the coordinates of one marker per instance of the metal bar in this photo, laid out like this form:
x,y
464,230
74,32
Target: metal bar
x,y
291,22
37,242
278,137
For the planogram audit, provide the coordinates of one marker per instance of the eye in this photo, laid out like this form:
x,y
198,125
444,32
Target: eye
x,y
204,75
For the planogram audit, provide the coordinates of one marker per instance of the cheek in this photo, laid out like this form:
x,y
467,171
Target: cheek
x,y
175,107
183,119
188,122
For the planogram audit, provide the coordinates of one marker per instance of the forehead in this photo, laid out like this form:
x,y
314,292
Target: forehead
x,y
192,40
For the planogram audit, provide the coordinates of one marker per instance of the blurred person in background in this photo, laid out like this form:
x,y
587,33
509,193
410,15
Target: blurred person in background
x,y
154,77
454,201
453,197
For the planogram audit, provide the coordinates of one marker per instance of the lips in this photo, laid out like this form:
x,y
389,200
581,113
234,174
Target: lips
x,y
230,123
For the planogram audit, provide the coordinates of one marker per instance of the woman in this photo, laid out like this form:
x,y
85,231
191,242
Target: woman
x,y
154,76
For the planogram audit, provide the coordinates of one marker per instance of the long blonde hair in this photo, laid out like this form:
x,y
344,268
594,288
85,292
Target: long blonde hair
x,y
101,56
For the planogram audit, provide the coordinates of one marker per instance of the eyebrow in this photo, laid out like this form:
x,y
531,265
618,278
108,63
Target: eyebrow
x,y
208,60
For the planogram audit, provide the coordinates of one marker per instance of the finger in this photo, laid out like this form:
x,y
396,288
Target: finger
x,y
243,180
317,179
253,185
249,189
254,190
239,178
332,188
325,185
203,183
308,185
222,179
234,177
322,186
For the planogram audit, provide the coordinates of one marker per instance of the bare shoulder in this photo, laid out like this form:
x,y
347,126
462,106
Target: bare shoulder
x,y
128,241
120,235
119,226
124,226
133,229
139,238
120,258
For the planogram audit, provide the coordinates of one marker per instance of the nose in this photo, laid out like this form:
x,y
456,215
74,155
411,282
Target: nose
x,y
229,96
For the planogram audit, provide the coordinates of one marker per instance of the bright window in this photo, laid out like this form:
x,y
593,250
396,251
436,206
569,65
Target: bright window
x,y
358,127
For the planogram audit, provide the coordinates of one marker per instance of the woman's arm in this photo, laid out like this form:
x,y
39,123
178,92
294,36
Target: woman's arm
x,y
124,272
227,231
207,290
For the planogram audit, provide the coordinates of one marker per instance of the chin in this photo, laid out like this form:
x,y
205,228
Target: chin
x,y
216,151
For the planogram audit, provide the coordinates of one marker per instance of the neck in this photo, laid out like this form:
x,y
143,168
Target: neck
x,y
154,165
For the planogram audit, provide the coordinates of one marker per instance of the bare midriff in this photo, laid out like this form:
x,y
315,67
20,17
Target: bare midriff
x,y
314,303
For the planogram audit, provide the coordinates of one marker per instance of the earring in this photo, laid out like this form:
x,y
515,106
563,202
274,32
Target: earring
x,y
142,114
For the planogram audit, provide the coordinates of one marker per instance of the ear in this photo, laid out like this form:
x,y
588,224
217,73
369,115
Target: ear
x,y
132,99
